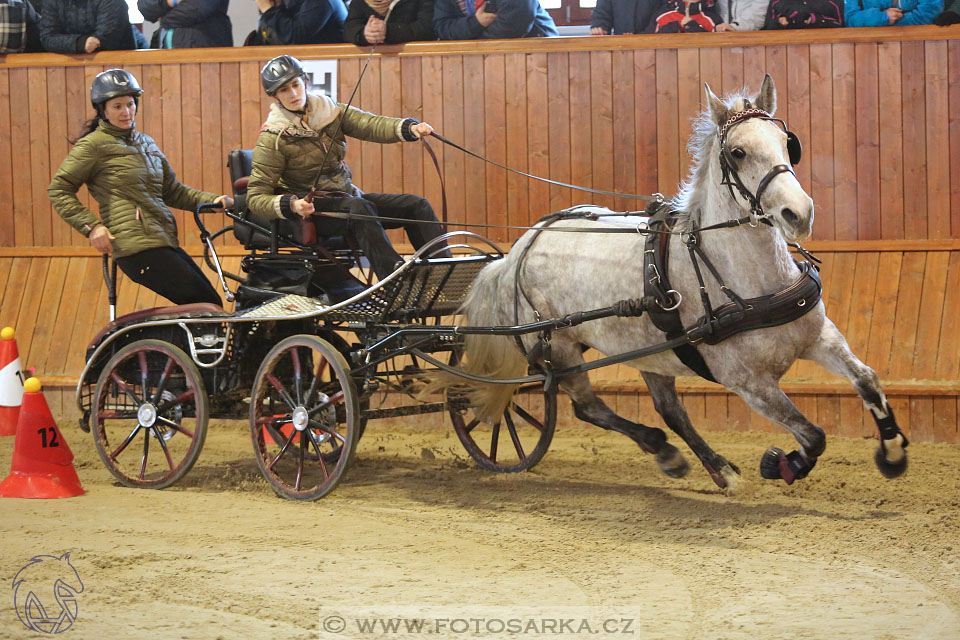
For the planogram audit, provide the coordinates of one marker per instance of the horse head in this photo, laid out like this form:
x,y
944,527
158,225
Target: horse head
x,y
756,155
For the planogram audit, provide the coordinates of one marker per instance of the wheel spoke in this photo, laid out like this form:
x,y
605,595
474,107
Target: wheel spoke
x,y
162,383
473,423
142,358
123,445
146,450
512,428
321,366
180,399
276,384
123,386
334,399
316,447
163,445
303,449
178,427
297,377
528,418
494,438
283,449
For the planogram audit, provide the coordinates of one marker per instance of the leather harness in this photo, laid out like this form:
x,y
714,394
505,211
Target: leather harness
x,y
716,325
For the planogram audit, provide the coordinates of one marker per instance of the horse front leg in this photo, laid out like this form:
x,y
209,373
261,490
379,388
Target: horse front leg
x,y
766,398
833,354
666,401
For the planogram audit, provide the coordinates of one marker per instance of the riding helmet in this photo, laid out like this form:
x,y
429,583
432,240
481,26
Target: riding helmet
x,y
113,83
279,72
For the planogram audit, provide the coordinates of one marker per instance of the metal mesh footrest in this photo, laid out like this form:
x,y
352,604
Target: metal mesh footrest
x,y
285,306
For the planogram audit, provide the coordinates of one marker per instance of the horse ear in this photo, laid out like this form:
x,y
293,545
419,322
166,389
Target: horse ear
x,y
718,110
767,98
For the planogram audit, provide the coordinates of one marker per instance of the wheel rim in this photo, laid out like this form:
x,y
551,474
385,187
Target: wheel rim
x,y
150,414
518,440
303,417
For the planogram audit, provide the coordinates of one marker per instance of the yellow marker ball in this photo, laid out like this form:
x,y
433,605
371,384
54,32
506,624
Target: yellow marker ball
x,y
7,333
32,385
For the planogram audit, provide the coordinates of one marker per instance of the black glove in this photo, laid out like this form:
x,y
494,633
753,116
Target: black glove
x,y
946,18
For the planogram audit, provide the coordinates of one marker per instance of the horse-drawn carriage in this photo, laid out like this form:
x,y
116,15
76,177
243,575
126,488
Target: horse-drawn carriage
x,y
310,344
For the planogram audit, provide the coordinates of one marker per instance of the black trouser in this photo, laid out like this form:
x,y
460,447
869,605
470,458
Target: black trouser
x,y
369,234
171,273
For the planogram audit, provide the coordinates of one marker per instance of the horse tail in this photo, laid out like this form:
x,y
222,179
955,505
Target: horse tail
x,y
489,356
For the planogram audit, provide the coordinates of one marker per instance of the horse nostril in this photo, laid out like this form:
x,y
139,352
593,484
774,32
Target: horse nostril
x,y
789,216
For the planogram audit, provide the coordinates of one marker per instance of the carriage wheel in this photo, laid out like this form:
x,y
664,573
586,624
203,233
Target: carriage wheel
x,y
515,442
149,392
304,399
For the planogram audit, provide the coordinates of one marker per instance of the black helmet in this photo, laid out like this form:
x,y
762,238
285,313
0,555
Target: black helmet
x,y
111,84
279,72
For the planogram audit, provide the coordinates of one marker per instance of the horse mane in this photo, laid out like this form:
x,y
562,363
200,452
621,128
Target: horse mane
x,y
702,146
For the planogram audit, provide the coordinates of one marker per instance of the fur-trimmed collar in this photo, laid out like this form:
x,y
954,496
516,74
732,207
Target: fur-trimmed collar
x,y
321,111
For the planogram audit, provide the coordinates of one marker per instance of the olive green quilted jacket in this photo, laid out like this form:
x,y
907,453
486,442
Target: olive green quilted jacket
x,y
132,182
290,150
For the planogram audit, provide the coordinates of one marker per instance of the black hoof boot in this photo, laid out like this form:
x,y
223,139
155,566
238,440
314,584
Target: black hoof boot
x,y
787,467
770,463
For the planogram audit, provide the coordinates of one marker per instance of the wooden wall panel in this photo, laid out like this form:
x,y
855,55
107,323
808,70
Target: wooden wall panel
x,y
559,126
7,225
820,154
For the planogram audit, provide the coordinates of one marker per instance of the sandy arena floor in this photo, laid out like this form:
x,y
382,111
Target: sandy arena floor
x,y
593,534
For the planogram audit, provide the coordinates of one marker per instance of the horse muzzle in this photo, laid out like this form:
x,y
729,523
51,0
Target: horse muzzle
x,y
796,222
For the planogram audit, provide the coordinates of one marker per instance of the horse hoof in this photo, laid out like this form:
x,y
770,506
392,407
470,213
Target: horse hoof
x,y
770,463
731,476
671,461
890,470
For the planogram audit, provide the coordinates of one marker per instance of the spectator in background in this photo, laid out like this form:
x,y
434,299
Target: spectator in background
x,y
85,26
186,24
881,13
950,15
285,22
742,15
475,19
19,27
804,14
684,16
620,16
410,20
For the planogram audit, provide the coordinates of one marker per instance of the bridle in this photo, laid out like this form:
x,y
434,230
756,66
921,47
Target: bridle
x,y
729,164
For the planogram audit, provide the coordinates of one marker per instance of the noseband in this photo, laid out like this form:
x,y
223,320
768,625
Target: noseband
x,y
728,164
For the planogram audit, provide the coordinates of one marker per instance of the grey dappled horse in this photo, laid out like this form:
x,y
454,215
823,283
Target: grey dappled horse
x,y
564,273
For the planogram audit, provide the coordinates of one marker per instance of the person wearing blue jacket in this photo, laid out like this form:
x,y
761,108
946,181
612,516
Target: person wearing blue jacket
x,y
475,19
882,13
620,16
284,22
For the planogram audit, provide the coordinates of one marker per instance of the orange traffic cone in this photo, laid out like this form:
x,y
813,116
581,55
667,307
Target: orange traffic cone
x,y
11,383
42,465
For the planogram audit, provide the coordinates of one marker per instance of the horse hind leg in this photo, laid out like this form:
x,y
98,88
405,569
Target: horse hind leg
x,y
667,402
833,354
590,408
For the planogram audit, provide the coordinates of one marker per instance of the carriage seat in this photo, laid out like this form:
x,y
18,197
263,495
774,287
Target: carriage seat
x,y
240,164
193,310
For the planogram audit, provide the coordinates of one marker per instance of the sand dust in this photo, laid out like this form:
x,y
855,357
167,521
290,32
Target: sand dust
x,y
594,533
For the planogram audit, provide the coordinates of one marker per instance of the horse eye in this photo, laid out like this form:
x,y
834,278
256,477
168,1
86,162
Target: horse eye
x,y
739,153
